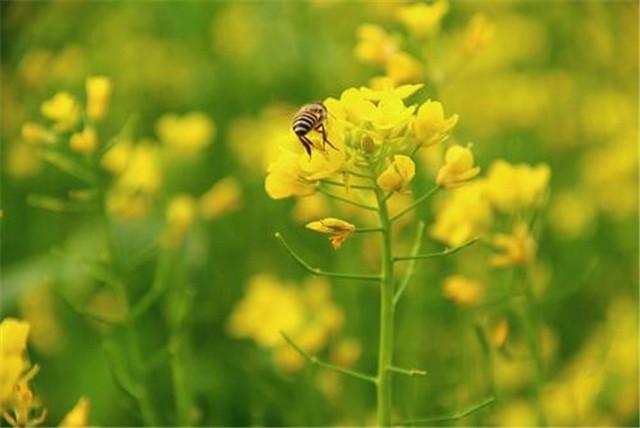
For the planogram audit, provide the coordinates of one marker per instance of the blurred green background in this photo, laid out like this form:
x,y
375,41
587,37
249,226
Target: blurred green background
x,y
556,83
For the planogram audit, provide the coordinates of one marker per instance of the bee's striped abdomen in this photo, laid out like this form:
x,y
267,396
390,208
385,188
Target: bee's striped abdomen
x,y
304,122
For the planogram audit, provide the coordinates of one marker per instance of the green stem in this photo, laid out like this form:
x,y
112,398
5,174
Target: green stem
x,y
443,253
385,345
412,264
531,324
178,357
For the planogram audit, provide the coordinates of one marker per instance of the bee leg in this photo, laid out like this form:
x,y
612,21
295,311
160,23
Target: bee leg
x,y
306,144
324,136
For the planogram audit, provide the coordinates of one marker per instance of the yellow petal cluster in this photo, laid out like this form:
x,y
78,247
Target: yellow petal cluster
x,y
339,230
463,291
18,405
478,34
430,125
33,133
458,168
78,417
513,188
99,89
465,214
63,109
85,141
403,68
421,19
286,178
180,215
375,45
516,248
223,197
185,135
397,175
271,306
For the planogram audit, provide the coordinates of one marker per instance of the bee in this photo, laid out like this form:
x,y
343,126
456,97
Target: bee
x,y
311,117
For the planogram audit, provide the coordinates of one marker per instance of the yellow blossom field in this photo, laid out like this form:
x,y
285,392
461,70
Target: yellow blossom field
x,y
319,213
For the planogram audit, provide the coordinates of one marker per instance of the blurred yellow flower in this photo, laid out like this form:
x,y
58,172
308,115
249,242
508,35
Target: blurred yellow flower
x,y
346,352
143,172
128,205
465,214
63,110
375,45
99,90
116,159
516,248
403,68
571,213
22,160
37,309
463,291
478,34
25,408
458,167
383,87
223,197
34,133
185,135
423,20
78,417
398,175
430,125
85,141
13,364
180,214
339,230
512,188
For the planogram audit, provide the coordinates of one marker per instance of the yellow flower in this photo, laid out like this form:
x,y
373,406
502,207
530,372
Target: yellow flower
x,y
99,90
181,213
339,230
346,352
422,19
222,198
512,188
458,167
571,213
398,175
517,248
33,133
374,46
13,344
143,171
63,110
25,408
430,125
403,68
116,159
85,141
478,34
78,417
186,135
126,204
463,291
22,160
383,87
285,178
391,118
465,214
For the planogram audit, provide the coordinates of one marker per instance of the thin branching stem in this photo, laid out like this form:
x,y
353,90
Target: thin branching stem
x,y
320,272
415,203
443,253
412,264
451,417
318,362
408,372
346,200
368,229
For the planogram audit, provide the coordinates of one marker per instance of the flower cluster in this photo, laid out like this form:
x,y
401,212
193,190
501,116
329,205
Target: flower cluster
x,y
271,307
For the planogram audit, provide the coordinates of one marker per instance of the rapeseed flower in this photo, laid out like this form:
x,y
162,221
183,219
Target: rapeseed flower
x,y
85,141
423,20
13,344
513,188
430,125
98,90
516,248
180,215
223,197
463,291
458,168
398,175
375,45
403,68
63,109
34,133
339,230
185,135
78,417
